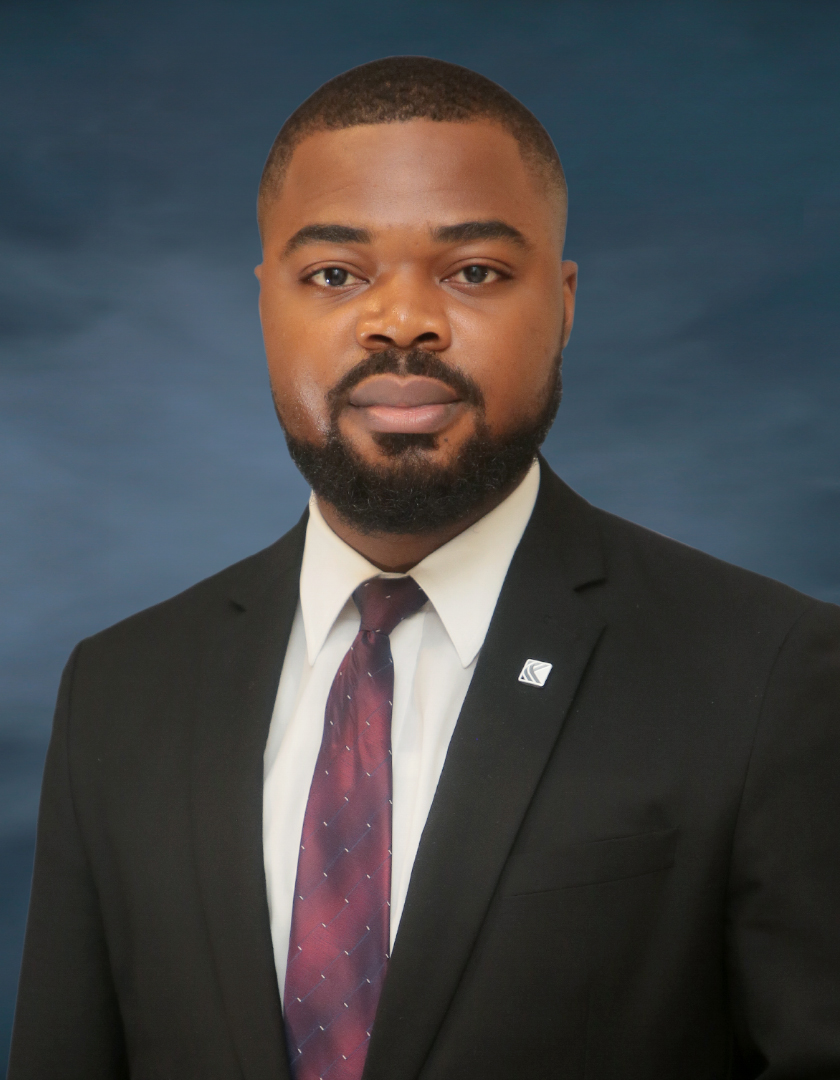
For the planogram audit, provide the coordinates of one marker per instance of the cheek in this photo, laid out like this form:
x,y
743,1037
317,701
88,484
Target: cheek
x,y
517,370
301,400
313,405
299,366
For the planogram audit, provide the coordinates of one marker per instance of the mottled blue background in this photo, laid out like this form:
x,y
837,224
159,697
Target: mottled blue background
x,y
140,450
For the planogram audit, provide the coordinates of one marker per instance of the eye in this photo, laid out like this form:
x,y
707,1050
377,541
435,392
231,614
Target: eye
x,y
333,277
476,275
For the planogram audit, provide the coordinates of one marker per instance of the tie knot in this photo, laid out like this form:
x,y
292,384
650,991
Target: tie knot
x,y
385,602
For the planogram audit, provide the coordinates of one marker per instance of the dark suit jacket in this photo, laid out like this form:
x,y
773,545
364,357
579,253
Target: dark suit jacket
x,y
631,872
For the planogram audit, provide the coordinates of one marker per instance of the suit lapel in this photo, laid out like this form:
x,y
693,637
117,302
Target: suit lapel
x,y
499,750
240,681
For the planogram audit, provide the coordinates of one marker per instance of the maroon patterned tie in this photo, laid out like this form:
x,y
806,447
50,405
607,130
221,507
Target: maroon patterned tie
x,y
340,939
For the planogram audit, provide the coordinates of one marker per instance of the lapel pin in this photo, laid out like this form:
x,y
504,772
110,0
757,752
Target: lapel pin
x,y
535,672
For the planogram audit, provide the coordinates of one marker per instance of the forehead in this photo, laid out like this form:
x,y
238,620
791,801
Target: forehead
x,y
410,173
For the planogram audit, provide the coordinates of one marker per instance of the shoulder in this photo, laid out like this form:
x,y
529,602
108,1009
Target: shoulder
x,y
660,581
707,614
194,613
673,570
699,629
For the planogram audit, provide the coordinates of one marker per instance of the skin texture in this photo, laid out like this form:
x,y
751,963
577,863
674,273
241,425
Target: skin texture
x,y
329,301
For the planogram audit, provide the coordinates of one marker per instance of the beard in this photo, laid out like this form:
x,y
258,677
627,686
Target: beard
x,y
411,494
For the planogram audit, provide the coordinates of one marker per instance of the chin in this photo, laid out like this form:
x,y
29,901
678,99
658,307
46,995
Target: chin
x,y
403,445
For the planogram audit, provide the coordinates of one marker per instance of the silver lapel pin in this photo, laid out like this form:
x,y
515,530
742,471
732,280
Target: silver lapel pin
x,y
535,672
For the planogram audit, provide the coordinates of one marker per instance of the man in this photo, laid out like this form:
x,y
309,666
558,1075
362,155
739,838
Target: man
x,y
462,778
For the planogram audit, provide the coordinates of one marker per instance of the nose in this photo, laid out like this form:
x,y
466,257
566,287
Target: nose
x,y
403,311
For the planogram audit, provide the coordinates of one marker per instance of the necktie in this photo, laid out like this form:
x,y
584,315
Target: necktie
x,y
340,937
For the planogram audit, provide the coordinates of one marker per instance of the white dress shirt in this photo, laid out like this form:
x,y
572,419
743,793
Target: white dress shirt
x,y
434,651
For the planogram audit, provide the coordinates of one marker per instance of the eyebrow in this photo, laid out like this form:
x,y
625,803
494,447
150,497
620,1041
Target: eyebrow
x,y
479,230
326,234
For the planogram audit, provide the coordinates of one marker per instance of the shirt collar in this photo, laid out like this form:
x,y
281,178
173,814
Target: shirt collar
x,y
462,579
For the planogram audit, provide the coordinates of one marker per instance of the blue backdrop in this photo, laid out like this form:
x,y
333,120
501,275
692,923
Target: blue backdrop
x,y
140,449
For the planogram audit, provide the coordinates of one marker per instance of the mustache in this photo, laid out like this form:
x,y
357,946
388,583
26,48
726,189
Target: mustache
x,y
393,361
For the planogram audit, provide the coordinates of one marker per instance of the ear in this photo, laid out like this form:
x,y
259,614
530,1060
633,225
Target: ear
x,y
570,280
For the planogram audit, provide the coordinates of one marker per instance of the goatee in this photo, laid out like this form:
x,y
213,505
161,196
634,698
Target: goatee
x,y
412,495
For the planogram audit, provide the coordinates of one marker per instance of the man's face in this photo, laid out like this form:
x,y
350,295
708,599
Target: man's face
x,y
414,303
373,245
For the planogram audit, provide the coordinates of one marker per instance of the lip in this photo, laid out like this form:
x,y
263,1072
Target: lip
x,y
413,405
402,393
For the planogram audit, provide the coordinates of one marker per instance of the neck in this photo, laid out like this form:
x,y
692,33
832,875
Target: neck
x,y
400,552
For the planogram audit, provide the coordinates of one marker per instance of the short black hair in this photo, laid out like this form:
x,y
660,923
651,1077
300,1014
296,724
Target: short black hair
x,y
401,88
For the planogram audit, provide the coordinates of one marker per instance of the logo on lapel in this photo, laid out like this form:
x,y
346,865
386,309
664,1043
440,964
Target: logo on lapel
x,y
535,672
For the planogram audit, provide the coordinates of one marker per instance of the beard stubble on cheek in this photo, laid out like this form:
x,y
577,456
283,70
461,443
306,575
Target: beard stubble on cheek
x,y
412,493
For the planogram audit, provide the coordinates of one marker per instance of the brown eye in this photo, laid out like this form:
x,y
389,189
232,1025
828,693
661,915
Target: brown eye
x,y
476,275
334,276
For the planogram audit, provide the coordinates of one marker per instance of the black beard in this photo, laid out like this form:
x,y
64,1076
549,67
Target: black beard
x,y
413,495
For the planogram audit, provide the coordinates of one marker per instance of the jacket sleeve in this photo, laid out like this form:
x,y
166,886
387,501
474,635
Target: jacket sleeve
x,y
67,1023
784,899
